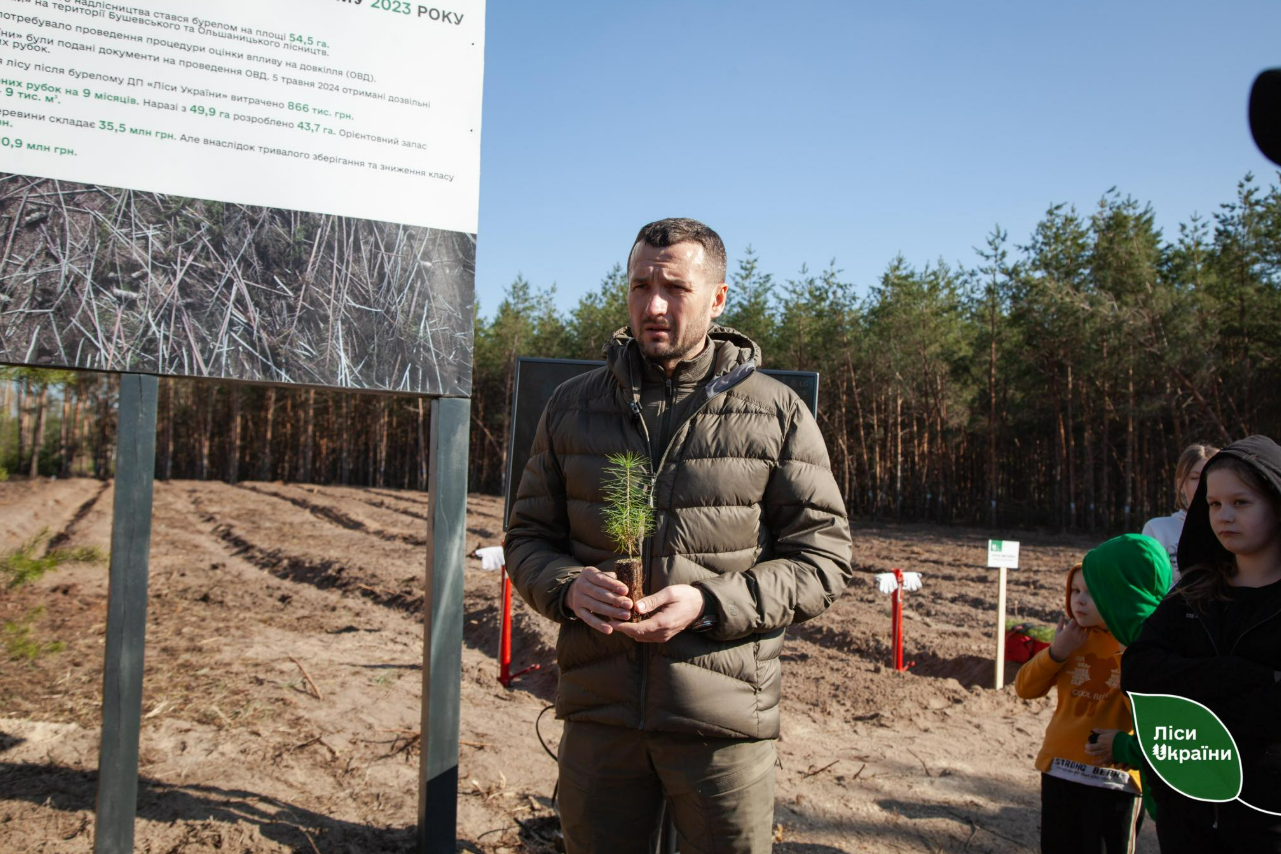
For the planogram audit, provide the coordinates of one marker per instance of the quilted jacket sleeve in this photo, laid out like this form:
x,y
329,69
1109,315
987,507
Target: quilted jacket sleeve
x,y
810,561
537,545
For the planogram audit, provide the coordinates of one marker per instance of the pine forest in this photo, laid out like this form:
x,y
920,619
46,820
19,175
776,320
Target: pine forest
x,y
1051,380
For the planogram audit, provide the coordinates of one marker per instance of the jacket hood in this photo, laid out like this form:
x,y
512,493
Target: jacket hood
x,y
1198,545
733,350
1067,584
1128,577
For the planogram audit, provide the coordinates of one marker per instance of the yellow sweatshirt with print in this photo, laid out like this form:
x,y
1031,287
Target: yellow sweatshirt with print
x,y
1089,698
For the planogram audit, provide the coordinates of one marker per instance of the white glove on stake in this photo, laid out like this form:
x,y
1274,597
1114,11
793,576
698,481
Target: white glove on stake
x,y
491,557
887,583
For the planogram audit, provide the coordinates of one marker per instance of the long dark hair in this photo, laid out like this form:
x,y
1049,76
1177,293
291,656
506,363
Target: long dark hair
x,y
1209,580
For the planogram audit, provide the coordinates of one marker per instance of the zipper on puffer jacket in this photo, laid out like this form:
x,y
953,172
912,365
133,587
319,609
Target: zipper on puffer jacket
x,y
713,389
665,423
647,547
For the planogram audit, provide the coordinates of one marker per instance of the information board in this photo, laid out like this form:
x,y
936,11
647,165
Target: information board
x,y
273,190
1003,553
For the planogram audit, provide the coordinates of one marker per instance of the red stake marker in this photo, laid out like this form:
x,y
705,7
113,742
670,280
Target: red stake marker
x,y
505,676
898,618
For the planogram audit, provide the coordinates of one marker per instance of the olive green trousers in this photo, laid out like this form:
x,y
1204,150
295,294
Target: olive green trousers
x,y
614,780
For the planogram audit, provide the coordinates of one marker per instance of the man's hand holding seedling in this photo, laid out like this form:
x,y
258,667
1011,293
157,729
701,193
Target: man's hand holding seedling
x,y
599,599
670,611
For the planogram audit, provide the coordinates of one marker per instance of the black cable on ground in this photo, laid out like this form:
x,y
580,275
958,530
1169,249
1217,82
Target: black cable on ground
x,y
539,733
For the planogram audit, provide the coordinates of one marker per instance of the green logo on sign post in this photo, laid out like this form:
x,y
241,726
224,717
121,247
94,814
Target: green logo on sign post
x,y
1188,746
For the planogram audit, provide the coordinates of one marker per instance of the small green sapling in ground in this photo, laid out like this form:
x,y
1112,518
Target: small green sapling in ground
x,y
25,565
628,516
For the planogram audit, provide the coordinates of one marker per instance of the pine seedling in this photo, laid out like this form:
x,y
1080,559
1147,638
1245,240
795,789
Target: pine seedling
x,y
25,564
628,517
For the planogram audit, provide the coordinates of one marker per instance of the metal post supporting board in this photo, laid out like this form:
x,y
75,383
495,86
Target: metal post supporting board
x,y
126,616
443,626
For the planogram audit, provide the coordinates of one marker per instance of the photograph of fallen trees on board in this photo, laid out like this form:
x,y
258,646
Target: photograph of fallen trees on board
x,y
123,280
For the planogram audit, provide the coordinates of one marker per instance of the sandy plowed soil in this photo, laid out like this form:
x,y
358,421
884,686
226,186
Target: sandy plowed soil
x,y
282,686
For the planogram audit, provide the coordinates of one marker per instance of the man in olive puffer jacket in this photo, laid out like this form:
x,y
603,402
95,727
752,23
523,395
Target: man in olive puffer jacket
x,y
751,536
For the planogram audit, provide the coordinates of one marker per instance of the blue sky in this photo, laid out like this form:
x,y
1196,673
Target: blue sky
x,y
853,130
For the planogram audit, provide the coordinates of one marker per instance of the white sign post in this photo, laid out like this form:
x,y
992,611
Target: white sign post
x,y
1002,555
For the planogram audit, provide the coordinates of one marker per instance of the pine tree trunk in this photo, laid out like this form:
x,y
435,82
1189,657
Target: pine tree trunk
x,y
102,454
371,455
22,422
206,429
233,452
1071,456
877,484
64,454
923,483
264,460
1056,476
898,453
37,434
1105,451
345,431
1088,441
1167,464
505,415
327,444
1179,432
842,413
380,478
309,435
77,430
287,457
945,464
848,465
1129,443
862,434
991,416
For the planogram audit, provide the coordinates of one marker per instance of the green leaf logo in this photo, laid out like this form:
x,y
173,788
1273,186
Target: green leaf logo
x,y
1188,746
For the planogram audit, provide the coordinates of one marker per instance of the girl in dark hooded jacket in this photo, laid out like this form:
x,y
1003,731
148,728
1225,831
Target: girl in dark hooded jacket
x,y
1217,640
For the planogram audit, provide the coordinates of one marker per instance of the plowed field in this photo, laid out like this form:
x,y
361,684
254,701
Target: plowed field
x,y
282,686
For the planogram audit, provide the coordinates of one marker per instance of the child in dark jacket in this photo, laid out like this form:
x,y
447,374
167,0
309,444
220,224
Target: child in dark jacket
x,y
1217,640
1087,804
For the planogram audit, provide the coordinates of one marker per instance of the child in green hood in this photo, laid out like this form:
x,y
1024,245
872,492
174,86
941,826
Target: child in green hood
x,y
1130,574
1086,802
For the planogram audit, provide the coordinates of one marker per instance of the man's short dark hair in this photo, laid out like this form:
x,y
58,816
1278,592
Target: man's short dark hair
x,y
669,232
